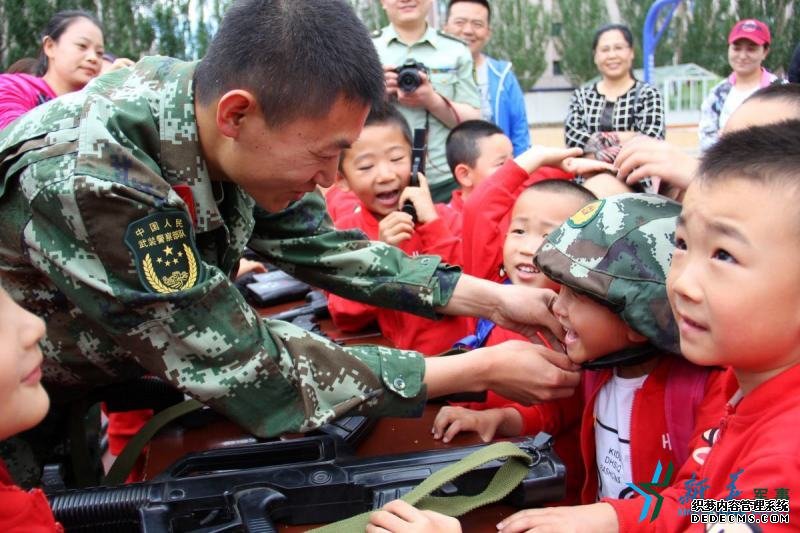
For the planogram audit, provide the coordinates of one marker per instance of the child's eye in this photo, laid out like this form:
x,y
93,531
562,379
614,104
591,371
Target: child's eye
x,y
722,255
680,244
517,231
398,159
364,168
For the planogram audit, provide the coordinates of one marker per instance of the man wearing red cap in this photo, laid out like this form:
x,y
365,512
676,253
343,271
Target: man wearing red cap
x,y
748,46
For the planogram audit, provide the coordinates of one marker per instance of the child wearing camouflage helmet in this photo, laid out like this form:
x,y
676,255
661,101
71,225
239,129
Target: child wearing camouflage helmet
x,y
642,402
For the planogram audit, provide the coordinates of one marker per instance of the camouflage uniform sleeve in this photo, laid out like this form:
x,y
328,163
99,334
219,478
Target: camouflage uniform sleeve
x,y
202,337
302,241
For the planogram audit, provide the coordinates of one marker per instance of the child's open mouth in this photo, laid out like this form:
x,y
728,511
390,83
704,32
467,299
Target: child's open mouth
x,y
527,271
388,199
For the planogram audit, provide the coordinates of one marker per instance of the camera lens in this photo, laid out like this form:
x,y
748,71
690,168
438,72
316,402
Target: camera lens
x,y
408,80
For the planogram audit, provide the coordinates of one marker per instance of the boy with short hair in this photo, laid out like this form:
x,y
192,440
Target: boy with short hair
x,y
732,255
475,150
611,259
377,169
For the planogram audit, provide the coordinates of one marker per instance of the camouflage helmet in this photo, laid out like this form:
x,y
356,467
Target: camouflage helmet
x,y
617,251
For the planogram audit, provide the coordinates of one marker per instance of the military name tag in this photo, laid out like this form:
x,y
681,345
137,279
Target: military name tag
x,y
164,252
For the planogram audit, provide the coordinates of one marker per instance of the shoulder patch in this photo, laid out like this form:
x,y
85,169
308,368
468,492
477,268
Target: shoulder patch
x,y
586,214
164,252
442,33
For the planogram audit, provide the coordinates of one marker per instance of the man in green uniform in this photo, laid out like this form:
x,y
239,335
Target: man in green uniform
x,y
447,95
126,207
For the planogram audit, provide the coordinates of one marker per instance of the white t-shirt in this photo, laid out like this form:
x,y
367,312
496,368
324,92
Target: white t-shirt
x,y
732,102
612,436
482,79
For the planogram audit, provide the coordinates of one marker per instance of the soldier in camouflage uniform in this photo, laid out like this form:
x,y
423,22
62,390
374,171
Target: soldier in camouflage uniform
x,y
127,206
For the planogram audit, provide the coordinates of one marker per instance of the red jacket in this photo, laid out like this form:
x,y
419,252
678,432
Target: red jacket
x,y
757,436
22,511
405,330
649,433
340,202
486,214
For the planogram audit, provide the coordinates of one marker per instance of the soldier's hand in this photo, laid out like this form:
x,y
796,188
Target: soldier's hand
x,y
390,79
395,228
398,516
528,373
580,519
526,310
423,96
422,200
452,420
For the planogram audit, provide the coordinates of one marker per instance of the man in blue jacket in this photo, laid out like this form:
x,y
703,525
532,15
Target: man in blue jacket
x,y
502,101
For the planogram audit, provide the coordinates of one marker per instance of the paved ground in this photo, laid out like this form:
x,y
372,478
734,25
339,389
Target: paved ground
x,y
683,136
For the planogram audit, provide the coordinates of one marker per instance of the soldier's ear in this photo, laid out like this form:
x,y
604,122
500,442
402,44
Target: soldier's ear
x,y
233,111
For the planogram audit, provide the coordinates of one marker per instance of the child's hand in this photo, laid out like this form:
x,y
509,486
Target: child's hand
x,y
450,421
581,166
537,156
395,228
398,516
597,517
422,200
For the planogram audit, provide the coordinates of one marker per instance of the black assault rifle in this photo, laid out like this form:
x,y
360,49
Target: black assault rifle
x,y
300,481
417,165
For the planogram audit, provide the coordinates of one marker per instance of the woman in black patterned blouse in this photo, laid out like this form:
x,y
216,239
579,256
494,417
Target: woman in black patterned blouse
x,y
617,103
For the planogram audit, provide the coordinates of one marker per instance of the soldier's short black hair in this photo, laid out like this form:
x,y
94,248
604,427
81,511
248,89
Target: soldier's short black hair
x,y
461,146
296,56
563,187
484,3
768,155
384,114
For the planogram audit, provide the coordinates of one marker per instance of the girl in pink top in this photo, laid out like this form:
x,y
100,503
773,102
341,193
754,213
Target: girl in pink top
x,y
71,55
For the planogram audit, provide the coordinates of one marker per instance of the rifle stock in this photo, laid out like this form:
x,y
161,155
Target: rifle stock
x,y
300,481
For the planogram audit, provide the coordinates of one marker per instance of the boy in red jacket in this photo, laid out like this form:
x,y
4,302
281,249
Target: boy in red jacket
x,y
733,288
23,404
377,169
611,259
475,150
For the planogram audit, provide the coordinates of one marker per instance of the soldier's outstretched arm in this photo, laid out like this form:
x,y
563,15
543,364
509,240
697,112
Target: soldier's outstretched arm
x,y
301,240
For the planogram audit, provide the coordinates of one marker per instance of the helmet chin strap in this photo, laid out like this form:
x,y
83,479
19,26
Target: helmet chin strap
x,y
626,357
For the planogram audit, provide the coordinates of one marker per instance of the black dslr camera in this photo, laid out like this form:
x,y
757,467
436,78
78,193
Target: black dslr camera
x,y
408,75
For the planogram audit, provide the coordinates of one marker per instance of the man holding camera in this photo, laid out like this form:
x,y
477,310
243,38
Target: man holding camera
x,y
443,92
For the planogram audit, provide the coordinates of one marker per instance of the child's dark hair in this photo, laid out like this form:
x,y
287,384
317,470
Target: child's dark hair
x,y
768,155
461,146
563,187
484,3
623,29
297,56
56,26
787,92
381,114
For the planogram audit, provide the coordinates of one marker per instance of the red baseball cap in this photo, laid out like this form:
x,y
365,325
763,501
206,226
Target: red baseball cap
x,y
752,30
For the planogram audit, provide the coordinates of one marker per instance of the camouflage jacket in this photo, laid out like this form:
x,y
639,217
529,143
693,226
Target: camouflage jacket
x,y
132,276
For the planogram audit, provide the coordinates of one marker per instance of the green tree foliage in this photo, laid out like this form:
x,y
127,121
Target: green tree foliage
x,y
133,28
520,32
633,14
579,20
371,13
